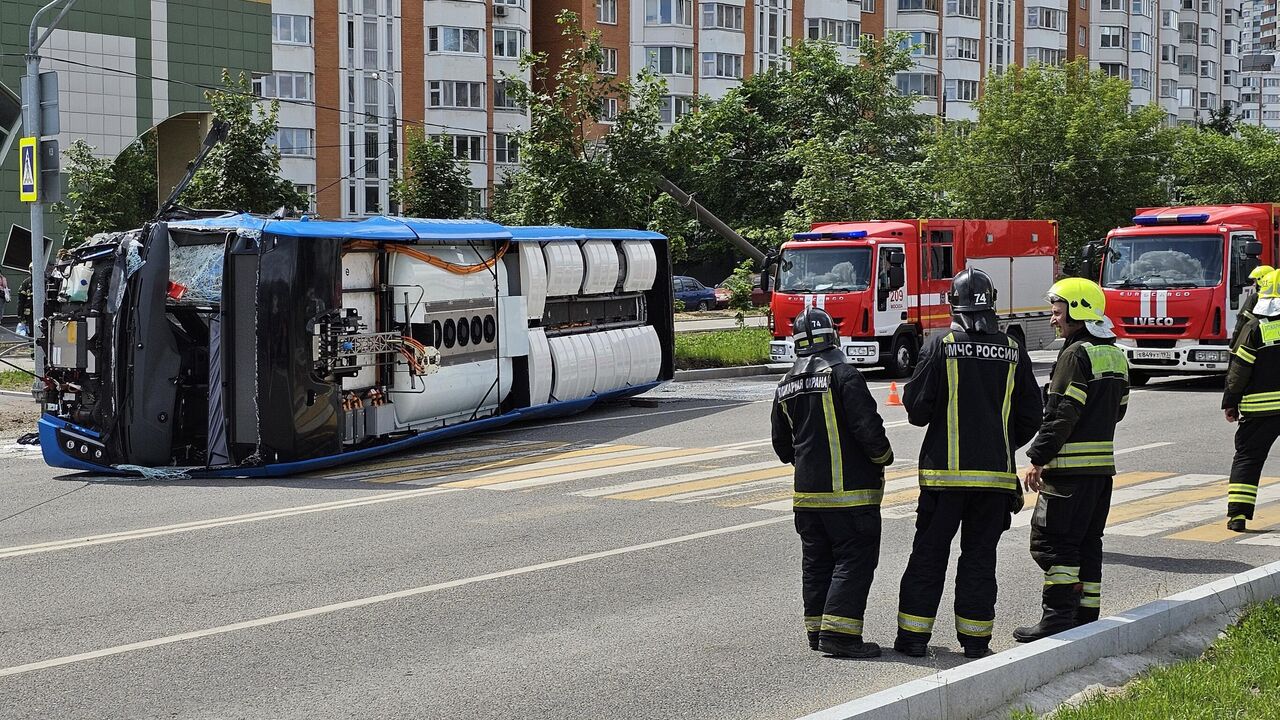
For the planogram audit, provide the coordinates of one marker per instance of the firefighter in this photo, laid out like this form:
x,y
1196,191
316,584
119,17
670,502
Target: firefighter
x,y
825,422
1252,398
1073,459
976,392
1249,299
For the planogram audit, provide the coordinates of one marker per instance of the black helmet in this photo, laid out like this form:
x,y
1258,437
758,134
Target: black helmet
x,y
971,291
814,331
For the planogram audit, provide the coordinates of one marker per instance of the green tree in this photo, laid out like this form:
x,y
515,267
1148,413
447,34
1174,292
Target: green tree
x,y
243,172
569,174
104,194
814,139
1209,168
435,184
1058,143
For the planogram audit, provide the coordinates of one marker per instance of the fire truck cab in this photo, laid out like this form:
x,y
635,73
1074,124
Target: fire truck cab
x,y
885,282
1174,281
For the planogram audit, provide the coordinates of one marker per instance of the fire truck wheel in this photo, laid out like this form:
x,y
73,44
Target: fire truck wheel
x,y
1137,378
903,357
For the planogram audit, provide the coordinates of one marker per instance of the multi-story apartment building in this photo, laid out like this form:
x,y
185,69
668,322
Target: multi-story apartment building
x,y
1259,72
355,75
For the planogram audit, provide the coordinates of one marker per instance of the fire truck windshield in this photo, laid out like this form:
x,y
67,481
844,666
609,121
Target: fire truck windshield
x,y
825,270
1164,261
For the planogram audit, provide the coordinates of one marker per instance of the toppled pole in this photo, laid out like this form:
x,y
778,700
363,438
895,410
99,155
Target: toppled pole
x,y
706,217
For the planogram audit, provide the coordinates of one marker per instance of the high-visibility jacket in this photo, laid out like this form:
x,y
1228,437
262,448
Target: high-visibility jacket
x,y
825,422
1088,394
1253,377
977,394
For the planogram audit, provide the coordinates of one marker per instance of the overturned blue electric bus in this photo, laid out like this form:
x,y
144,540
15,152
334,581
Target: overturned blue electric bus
x,y
236,345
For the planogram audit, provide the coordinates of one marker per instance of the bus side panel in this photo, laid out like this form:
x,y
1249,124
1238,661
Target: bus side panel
x,y
661,310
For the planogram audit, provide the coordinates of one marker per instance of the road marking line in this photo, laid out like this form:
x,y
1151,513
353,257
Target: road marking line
x,y
440,459
552,476
92,540
633,415
1148,446
777,505
1216,491
373,600
529,461
754,500
1216,530
1142,479
676,479
679,489
747,444
754,488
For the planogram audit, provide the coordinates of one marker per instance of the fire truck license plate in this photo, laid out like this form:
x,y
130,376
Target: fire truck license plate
x,y
1151,355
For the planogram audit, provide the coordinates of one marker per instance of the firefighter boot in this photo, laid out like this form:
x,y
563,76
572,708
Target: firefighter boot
x,y
1060,604
850,646
976,648
1085,615
813,639
911,645
1236,524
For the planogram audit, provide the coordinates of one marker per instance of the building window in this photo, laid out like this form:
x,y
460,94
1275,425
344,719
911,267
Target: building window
x,y
453,40
1140,42
294,142
283,85
502,100
372,198
291,29
371,153
1113,4
1169,88
1169,19
962,90
310,192
1187,32
1228,47
1228,77
1271,114
668,12
608,110
1208,68
469,148
913,5
921,44
721,65
962,8
670,60
1186,96
718,16
1229,16
868,6
841,32
673,108
1169,53
1140,79
1208,101
1209,37
607,12
1209,6
1112,36
925,84
506,149
1080,36
456,94
1046,18
1143,8
1187,64
1046,56
962,48
508,43
608,61
1114,69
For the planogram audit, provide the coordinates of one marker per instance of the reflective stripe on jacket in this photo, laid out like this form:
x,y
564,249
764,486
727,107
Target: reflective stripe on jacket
x,y
1253,377
1088,395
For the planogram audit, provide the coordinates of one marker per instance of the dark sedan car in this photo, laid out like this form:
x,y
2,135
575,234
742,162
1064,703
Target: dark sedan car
x,y
692,293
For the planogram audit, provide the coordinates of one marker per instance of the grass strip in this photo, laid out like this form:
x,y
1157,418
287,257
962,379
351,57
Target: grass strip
x,y
1237,677
722,348
14,380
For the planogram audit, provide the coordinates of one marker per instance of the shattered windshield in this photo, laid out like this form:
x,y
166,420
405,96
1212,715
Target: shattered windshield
x,y
1164,262
825,270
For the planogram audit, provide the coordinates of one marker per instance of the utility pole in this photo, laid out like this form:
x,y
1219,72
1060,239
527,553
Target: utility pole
x,y
31,123
709,219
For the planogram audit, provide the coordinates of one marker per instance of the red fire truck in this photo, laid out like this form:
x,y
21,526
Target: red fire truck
x,y
1174,281
885,282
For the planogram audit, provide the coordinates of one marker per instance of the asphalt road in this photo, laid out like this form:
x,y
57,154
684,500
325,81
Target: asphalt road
x,y
633,562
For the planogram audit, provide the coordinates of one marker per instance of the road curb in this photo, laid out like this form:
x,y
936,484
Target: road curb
x,y
732,372
979,687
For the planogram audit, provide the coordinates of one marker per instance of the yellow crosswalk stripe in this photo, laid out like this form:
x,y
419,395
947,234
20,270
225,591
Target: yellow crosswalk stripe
x,y
1265,517
1217,490
761,498
424,474
503,477
397,461
1121,480
704,484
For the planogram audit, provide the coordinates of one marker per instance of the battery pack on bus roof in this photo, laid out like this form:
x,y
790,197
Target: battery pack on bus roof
x,y
1181,219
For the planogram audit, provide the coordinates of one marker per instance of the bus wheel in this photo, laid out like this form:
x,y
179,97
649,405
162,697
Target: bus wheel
x,y
903,357
1137,378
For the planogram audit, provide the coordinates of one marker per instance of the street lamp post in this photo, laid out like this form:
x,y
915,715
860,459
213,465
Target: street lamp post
x,y
394,144
31,122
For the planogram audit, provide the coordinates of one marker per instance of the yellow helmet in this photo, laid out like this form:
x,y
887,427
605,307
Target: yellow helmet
x,y
1260,272
1084,299
1269,285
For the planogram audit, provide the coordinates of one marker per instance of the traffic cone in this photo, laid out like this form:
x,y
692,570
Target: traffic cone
x,y
893,395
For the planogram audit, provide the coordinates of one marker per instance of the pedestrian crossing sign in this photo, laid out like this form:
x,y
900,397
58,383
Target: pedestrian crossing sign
x,y
29,172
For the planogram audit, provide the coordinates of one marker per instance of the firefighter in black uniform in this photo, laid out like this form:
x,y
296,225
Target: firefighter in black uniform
x,y
1073,459
826,423
1252,397
1249,299
976,392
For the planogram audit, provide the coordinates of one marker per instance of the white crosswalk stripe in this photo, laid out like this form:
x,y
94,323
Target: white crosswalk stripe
x,y
1137,492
